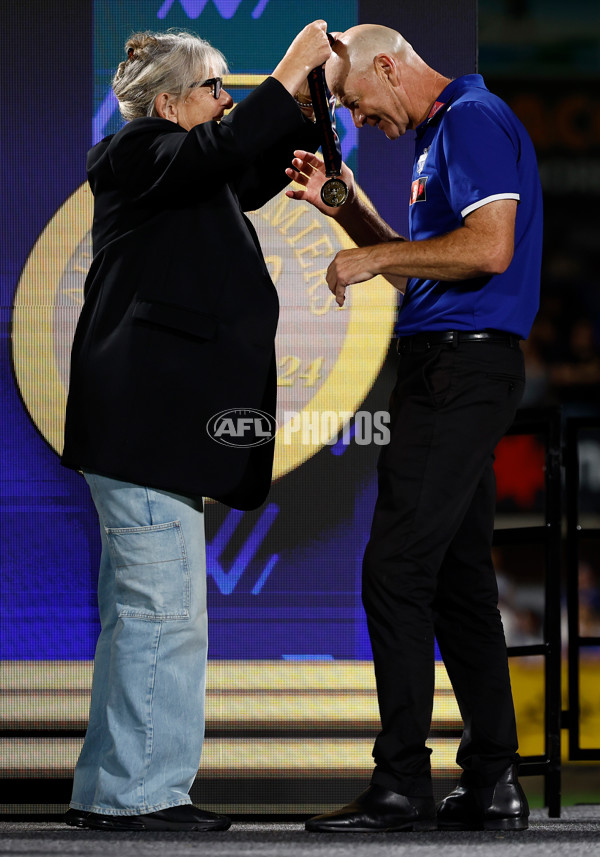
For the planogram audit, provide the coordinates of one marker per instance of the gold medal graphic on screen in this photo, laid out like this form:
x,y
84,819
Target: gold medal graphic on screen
x,y
328,358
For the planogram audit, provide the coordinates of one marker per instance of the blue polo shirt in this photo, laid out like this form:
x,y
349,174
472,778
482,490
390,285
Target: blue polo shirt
x,y
470,151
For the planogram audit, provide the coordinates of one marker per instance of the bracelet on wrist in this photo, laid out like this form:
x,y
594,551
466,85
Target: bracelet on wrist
x,y
307,104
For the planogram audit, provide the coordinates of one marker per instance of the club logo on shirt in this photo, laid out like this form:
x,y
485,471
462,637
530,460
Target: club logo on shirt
x,y
436,106
417,190
422,159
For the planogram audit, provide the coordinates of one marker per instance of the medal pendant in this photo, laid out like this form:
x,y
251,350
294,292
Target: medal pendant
x,y
334,192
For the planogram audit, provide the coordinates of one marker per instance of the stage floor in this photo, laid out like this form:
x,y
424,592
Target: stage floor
x,y
576,833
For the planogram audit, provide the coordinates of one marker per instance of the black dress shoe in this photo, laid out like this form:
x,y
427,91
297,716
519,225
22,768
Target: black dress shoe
x,y
378,810
502,806
185,817
75,817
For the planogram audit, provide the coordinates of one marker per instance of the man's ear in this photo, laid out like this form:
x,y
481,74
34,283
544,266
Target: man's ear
x,y
165,105
385,67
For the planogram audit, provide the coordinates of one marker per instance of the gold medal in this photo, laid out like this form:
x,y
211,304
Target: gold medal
x,y
334,192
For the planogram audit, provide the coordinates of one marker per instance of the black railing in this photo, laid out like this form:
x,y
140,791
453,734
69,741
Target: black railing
x,y
576,420
545,423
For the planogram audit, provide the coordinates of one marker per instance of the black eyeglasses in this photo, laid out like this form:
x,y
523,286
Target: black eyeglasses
x,y
215,83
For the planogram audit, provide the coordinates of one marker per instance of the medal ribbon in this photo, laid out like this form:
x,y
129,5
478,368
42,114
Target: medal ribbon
x,y
330,142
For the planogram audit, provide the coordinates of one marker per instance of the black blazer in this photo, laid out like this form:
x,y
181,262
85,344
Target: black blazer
x,y
180,313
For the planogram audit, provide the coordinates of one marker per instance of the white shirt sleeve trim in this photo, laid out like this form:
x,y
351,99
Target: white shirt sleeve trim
x,y
493,198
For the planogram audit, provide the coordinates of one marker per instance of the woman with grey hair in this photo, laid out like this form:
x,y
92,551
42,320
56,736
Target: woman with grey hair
x,y
178,325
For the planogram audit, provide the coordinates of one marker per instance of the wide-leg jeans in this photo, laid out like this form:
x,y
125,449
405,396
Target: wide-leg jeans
x,y
427,568
146,726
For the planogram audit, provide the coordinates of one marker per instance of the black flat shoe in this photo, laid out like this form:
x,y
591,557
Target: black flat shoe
x,y
185,817
378,810
75,817
502,806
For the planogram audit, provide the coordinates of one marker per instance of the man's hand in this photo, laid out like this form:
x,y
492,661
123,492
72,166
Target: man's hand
x,y
309,171
356,217
348,267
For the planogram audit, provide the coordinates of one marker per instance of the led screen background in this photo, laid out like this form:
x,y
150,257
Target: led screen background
x,y
283,580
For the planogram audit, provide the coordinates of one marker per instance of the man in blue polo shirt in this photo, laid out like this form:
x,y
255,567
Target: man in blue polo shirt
x,y
469,273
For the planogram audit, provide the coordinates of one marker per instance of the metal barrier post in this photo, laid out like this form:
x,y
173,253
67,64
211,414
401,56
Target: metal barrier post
x,y
576,419
546,422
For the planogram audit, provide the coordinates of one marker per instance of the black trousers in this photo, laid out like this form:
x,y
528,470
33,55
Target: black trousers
x,y
427,568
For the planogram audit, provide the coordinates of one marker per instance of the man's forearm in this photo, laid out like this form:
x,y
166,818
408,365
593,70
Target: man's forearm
x,y
365,226
483,246
458,255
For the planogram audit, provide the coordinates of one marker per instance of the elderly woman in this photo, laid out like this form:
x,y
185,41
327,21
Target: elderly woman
x,y
178,324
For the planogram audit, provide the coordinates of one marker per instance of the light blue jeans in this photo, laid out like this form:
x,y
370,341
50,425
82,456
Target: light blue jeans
x,y
146,727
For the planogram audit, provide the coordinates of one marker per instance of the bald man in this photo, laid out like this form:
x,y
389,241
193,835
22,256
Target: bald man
x,y
469,275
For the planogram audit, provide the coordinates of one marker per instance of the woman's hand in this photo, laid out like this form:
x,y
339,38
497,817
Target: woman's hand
x,y
309,171
309,49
